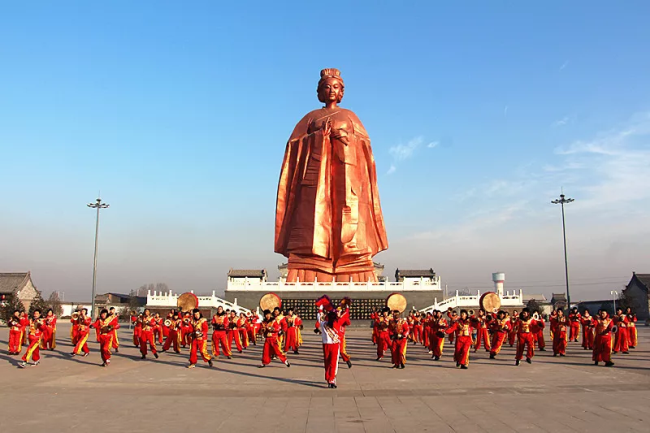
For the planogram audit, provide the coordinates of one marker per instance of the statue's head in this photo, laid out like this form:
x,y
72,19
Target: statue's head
x,y
330,86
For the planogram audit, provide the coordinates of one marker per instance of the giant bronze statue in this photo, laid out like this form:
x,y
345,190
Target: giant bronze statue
x,y
328,219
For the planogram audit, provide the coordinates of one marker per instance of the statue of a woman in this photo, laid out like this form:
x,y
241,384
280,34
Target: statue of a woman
x,y
328,219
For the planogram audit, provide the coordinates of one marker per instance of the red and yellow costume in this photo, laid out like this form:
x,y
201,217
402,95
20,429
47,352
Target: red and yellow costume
x,y
398,330
270,330
621,340
513,329
158,330
463,332
105,329
437,328
574,323
15,335
291,342
220,325
537,329
34,333
344,322
426,331
331,338
147,323
383,336
137,330
173,339
83,330
559,327
631,331
48,341
24,324
233,333
242,327
375,334
603,340
186,330
525,339
500,329
251,329
199,341
115,323
587,322
480,324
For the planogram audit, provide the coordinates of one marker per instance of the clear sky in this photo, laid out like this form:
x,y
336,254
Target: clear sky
x,y
178,112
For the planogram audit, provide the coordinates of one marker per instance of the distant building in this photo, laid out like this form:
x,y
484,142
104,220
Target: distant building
x,y
636,293
415,275
594,306
21,284
558,300
241,275
117,300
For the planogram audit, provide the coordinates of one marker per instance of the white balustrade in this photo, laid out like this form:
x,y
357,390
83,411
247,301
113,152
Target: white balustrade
x,y
170,300
282,286
472,301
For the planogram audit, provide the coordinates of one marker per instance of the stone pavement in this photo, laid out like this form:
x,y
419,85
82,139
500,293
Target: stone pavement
x,y
551,395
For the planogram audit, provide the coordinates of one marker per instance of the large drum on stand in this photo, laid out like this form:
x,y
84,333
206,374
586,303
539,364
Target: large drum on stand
x,y
396,301
490,302
270,301
187,302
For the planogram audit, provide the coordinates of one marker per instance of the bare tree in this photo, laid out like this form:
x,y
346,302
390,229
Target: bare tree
x,y
54,302
162,287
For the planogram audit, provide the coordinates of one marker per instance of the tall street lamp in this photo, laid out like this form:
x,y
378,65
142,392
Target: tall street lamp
x,y
97,205
614,294
562,201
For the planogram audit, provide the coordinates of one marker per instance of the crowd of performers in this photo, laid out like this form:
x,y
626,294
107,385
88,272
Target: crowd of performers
x,y
281,333
602,334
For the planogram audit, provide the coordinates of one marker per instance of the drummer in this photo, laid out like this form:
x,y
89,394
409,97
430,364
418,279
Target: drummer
x,y
399,331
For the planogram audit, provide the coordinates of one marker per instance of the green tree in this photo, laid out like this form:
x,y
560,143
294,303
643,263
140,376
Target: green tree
x,y
54,302
9,305
38,303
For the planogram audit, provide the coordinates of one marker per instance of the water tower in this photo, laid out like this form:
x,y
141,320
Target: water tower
x,y
498,278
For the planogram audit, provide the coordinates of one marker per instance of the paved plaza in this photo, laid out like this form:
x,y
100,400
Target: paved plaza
x,y
133,395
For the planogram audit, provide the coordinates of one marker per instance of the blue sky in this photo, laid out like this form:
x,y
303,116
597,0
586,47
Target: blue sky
x,y
179,112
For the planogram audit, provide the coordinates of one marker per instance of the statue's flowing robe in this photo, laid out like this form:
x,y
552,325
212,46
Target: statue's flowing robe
x,y
328,215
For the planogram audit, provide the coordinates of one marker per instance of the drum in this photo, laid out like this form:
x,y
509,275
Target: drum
x,y
270,301
490,302
187,301
396,301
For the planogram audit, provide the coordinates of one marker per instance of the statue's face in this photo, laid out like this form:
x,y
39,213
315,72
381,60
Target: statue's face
x,y
330,90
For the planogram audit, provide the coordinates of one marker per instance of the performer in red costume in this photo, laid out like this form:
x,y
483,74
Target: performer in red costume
x,y
383,336
48,340
480,323
513,329
438,326
426,331
270,330
15,334
251,328
104,325
343,322
574,322
34,333
525,340
621,340
559,325
186,329
233,332
538,331
173,339
398,330
158,329
148,323
24,323
220,325
137,329
330,328
587,322
291,339
631,328
462,327
603,339
82,324
500,328
199,339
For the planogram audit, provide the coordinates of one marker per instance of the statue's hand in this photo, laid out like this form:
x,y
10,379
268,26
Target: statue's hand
x,y
327,128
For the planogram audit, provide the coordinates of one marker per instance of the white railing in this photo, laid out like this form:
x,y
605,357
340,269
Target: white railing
x,y
253,285
471,301
170,299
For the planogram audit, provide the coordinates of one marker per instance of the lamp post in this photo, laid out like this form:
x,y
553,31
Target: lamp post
x,y
562,201
614,294
97,205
